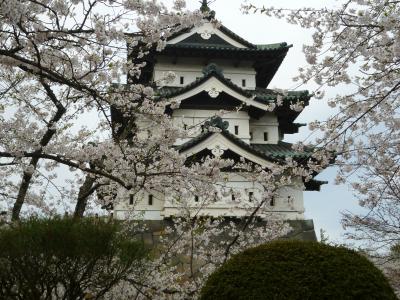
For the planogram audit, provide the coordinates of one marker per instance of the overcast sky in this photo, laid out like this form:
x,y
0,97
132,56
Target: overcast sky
x,y
323,207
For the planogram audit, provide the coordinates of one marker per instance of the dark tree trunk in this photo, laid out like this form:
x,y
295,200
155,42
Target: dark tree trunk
x,y
23,189
85,191
27,176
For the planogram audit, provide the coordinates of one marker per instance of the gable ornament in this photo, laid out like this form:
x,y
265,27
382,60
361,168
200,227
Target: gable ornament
x,y
214,92
217,150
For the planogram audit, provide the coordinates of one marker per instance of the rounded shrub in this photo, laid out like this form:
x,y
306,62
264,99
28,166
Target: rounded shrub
x,y
297,270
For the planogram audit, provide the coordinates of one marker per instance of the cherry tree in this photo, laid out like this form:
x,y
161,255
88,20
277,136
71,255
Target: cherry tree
x,y
59,59
63,62
358,44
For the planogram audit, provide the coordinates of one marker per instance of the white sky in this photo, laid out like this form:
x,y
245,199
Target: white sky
x,y
323,207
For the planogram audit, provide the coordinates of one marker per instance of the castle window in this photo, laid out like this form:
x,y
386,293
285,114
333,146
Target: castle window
x,y
251,196
150,200
236,130
243,82
130,199
196,198
184,126
251,135
272,202
265,136
233,197
182,80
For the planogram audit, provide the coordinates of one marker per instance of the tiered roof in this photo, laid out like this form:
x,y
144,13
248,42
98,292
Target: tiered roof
x,y
218,42
266,58
273,152
276,153
264,97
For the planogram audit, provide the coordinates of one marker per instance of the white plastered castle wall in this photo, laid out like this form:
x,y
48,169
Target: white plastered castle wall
x,y
287,204
141,208
191,69
267,123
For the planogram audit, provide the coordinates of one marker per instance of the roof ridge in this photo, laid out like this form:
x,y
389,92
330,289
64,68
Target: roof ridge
x,y
273,45
233,35
223,47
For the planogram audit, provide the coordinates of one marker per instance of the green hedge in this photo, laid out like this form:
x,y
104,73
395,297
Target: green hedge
x,y
297,270
64,258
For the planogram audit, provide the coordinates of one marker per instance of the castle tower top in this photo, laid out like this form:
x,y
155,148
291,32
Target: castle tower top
x,y
204,8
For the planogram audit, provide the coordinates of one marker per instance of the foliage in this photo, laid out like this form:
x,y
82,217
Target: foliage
x,y
65,258
297,270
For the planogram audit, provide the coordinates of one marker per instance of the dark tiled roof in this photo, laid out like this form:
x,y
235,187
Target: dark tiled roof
x,y
266,58
257,49
194,141
241,40
274,152
280,150
274,46
314,185
268,94
264,96
236,37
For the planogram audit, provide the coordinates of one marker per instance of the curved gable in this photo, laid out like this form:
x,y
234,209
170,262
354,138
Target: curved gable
x,y
214,86
217,143
206,31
